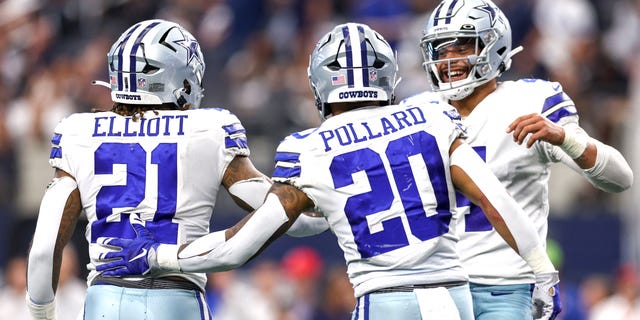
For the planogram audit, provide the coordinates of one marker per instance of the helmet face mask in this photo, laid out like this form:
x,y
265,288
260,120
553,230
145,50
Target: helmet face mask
x,y
156,62
455,24
352,63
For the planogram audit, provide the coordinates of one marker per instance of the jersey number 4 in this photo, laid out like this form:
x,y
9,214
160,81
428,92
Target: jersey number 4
x,y
358,208
134,191
475,220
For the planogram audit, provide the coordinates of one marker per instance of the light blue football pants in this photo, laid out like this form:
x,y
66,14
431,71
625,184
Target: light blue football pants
x,y
501,302
404,305
107,302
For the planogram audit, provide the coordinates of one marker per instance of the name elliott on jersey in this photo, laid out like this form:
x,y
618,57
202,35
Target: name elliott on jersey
x,y
116,126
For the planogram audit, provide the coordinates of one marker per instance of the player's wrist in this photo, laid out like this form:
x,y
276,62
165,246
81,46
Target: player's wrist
x,y
45,311
539,261
166,258
574,144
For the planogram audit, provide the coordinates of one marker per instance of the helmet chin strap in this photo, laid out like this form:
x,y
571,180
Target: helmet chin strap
x,y
392,98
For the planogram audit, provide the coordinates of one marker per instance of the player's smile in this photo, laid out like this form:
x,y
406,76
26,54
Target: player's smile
x,y
458,71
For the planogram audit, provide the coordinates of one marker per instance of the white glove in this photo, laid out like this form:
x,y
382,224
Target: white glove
x,y
41,311
546,296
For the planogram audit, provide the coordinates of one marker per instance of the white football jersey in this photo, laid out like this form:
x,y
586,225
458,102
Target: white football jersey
x,y
167,168
523,171
380,176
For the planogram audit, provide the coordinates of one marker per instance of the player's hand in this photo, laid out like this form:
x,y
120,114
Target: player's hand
x,y
546,296
537,127
134,257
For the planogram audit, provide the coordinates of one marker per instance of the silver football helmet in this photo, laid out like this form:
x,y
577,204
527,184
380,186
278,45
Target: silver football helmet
x,y
155,62
352,63
479,23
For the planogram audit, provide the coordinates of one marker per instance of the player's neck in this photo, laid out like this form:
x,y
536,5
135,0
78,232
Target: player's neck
x,y
465,106
341,107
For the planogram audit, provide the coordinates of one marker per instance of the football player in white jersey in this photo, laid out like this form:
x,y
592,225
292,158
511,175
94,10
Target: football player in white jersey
x,y
519,128
154,156
384,177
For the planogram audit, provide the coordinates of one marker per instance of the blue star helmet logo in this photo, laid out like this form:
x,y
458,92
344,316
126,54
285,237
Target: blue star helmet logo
x,y
490,10
192,46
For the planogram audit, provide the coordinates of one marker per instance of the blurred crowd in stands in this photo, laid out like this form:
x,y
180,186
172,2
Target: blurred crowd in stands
x,y
256,54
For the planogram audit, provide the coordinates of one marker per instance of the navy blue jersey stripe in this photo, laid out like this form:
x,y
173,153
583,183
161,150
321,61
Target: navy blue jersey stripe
x,y
561,113
363,52
234,128
554,100
56,152
55,139
240,142
287,157
120,52
132,56
349,52
282,172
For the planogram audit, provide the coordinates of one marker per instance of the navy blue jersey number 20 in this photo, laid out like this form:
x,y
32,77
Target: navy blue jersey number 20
x,y
393,234
130,195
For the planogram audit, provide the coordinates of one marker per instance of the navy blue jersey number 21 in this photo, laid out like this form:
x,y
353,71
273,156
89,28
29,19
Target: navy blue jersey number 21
x,y
393,234
130,195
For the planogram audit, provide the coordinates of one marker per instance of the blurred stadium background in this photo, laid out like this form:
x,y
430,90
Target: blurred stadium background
x,y
256,53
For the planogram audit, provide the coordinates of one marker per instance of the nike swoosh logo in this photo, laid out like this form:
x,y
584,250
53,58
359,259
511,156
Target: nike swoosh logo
x,y
142,254
556,87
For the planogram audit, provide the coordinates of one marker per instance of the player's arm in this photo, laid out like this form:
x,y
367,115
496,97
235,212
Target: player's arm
x,y
60,209
475,180
603,165
308,224
610,172
217,251
248,237
246,185
248,188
